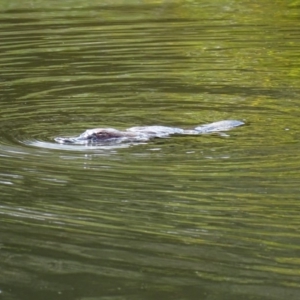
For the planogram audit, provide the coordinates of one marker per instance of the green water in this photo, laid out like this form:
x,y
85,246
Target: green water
x,y
188,217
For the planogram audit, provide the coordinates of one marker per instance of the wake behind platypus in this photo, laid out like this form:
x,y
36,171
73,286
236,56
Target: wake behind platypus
x,y
143,134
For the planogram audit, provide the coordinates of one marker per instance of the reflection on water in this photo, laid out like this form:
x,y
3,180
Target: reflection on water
x,y
192,217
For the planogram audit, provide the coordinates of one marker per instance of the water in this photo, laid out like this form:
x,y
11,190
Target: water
x,y
189,217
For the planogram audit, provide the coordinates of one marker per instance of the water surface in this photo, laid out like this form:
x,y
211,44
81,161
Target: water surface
x,y
189,217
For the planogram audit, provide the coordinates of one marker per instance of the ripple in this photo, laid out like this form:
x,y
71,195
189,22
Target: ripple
x,y
173,217
85,148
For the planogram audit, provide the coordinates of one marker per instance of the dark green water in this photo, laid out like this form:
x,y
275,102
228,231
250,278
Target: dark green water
x,y
205,217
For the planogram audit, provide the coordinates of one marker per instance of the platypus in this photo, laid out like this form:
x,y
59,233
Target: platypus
x,y
144,133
